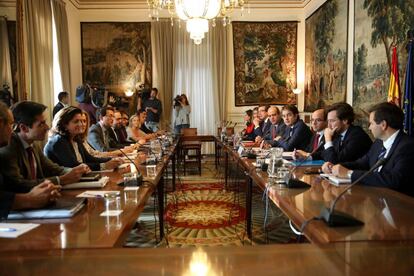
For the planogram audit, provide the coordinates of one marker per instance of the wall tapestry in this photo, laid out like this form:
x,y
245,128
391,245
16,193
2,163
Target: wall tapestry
x,y
264,62
116,55
326,55
379,25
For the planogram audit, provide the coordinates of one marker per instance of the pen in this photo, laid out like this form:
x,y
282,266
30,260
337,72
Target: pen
x,y
7,229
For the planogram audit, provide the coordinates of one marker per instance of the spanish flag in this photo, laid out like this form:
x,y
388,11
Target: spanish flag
x,y
394,92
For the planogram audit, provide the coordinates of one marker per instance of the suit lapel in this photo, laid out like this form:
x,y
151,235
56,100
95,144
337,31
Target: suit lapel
x,y
21,152
395,144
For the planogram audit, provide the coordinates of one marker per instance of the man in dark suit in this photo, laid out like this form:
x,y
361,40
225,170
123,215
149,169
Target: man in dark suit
x,y
262,125
316,145
22,160
37,197
63,98
277,126
297,134
386,124
116,132
98,136
343,141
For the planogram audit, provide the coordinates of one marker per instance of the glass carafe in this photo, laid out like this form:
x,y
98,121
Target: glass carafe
x,y
276,161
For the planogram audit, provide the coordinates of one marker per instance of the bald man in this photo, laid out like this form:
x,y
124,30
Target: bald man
x,y
277,127
315,147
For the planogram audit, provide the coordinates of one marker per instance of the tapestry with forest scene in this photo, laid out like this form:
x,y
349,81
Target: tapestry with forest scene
x,y
116,55
326,55
264,62
379,26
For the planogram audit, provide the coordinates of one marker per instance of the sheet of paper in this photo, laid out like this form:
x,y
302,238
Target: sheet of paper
x,y
131,188
13,230
103,171
111,213
94,194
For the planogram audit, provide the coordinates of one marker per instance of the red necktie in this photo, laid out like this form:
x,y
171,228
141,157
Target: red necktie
x,y
273,132
30,155
316,142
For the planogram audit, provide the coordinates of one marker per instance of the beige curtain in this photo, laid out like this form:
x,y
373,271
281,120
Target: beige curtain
x,y
38,20
162,57
62,34
5,64
218,40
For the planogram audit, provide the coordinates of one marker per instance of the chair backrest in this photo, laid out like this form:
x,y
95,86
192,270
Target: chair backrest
x,y
192,131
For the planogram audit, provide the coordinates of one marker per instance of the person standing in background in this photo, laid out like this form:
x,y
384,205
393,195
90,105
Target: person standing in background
x,y
63,98
182,111
153,107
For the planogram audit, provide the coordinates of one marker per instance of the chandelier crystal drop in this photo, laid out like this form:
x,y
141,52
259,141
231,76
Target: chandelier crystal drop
x,y
196,13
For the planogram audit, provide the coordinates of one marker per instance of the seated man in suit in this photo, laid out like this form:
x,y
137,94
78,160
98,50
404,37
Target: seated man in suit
x,y
315,147
277,127
343,141
22,160
386,124
38,196
262,124
63,98
297,134
99,136
116,130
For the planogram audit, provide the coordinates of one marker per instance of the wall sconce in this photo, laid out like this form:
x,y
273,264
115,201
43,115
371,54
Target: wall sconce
x,y
129,93
297,91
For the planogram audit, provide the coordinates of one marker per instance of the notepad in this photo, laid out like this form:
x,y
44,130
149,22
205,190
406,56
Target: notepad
x,y
61,208
13,230
336,180
85,185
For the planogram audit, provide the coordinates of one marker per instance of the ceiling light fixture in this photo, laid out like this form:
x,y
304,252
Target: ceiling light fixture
x,y
197,13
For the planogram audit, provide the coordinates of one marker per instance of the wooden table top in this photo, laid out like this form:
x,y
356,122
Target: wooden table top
x,y
87,229
387,214
356,258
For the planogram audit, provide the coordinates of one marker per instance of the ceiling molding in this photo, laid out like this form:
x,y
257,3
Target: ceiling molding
x,y
142,4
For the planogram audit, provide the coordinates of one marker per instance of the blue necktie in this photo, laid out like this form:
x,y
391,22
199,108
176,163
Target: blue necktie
x,y
380,156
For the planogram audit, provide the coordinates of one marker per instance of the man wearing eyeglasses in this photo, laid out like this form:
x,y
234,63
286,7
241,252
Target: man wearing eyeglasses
x,y
316,145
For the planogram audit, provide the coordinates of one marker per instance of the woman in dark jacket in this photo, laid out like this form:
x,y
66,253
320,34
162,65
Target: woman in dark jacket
x,y
65,145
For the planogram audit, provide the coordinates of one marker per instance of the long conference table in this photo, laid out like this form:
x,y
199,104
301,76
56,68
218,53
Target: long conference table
x,y
90,243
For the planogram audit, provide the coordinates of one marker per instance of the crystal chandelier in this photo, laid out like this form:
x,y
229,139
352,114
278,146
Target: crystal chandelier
x,y
196,13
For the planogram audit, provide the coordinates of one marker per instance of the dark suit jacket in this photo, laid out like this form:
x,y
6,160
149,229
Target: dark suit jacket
x,y
280,131
356,143
57,108
263,131
15,166
59,150
317,155
122,135
145,129
396,174
6,200
96,139
117,137
301,135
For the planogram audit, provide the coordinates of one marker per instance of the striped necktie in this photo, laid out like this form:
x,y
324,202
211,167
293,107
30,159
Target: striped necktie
x,y
31,158
380,156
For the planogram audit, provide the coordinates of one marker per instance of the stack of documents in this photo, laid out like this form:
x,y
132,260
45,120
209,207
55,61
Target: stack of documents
x,y
336,180
89,184
61,208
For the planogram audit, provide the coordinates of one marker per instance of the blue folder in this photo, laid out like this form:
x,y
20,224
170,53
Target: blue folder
x,y
308,163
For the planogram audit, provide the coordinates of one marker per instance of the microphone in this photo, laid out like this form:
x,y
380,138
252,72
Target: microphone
x,y
335,218
294,182
139,175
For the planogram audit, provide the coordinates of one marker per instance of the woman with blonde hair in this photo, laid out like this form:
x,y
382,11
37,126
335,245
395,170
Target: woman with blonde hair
x,y
134,130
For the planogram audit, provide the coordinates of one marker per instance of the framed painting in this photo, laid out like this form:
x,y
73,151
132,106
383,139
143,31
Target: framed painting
x,y
265,62
379,26
116,55
326,40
